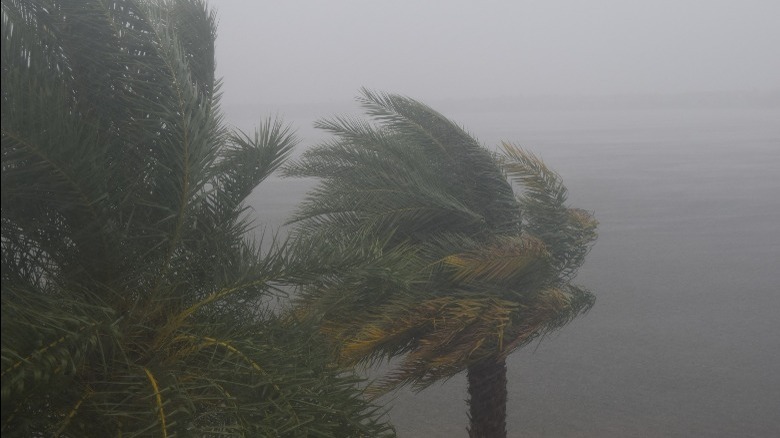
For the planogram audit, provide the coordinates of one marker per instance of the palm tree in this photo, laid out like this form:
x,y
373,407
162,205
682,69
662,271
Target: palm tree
x,y
131,300
423,244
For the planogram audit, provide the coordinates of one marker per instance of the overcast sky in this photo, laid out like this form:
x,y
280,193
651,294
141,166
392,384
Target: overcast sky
x,y
320,51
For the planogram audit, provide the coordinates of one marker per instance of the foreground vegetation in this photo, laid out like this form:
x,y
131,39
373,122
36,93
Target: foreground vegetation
x,y
131,301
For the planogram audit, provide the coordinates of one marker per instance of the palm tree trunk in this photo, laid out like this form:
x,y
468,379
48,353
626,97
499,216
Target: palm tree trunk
x,y
487,399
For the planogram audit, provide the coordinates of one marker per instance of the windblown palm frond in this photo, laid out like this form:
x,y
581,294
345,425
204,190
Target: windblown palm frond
x,y
568,232
462,270
132,303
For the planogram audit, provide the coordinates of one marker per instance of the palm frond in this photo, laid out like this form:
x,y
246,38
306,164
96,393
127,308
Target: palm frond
x,y
508,260
567,232
467,166
451,332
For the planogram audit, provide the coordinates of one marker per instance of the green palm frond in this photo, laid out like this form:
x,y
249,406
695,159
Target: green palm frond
x,y
250,160
456,156
388,180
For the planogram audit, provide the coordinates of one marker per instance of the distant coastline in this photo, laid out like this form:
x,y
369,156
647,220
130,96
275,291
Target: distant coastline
x,y
633,101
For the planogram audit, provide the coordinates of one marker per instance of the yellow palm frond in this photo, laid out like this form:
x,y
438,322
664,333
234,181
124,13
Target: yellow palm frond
x,y
504,260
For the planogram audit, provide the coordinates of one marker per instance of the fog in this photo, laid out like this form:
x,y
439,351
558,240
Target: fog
x,y
316,51
662,117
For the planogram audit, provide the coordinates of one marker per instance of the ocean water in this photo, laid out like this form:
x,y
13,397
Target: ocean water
x,y
684,340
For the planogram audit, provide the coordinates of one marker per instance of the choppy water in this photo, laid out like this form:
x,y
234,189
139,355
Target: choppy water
x,y
684,340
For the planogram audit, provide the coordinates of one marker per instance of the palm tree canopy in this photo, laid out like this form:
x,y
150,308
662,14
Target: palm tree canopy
x,y
423,243
131,301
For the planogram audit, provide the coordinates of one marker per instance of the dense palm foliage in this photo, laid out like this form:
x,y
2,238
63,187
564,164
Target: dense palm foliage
x,y
420,247
131,302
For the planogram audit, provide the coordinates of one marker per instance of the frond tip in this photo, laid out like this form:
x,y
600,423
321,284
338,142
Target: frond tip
x,y
159,402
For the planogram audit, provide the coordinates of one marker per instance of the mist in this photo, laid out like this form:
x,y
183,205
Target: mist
x,y
309,51
661,117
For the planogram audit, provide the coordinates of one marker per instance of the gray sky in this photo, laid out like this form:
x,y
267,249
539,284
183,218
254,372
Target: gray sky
x,y
320,51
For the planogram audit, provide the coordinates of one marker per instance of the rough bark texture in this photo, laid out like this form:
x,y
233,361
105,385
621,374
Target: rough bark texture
x,y
487,399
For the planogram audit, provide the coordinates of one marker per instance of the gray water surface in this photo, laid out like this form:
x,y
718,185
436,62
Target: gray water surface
x,y
684,340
